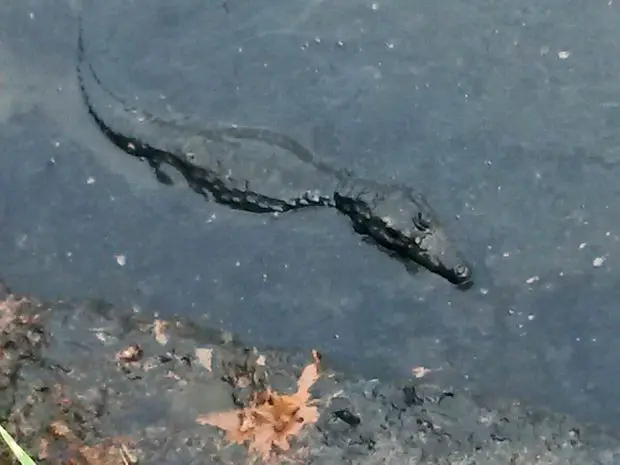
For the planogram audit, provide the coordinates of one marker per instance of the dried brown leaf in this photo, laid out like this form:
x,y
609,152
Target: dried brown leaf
x,y
60,429
205,357
272,418
159,331
308,377
130,354
228,421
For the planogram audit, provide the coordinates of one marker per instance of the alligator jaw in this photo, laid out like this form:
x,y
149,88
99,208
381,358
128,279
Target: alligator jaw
x,y
402,222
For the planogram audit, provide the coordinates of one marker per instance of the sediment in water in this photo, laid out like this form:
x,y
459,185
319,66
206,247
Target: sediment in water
x,y
88,383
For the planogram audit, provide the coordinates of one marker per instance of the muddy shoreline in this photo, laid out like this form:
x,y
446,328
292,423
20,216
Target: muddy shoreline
x,y
84,382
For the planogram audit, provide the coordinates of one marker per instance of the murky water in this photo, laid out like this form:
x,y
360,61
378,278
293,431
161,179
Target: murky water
x,y
504,116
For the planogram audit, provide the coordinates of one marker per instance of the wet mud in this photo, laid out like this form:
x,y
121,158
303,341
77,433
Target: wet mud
x,y
84,382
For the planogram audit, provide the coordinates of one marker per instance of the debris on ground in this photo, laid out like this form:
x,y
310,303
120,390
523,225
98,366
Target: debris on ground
x,y
159,331
131,354
67,449
86,383
271,418
205,357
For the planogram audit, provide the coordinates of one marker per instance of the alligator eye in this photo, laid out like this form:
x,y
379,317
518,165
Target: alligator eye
x,y
422,221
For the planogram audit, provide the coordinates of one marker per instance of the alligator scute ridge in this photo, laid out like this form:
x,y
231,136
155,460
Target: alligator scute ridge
x,y
395,218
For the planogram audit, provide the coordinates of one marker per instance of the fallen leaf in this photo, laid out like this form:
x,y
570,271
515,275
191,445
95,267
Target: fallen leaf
x,y
420,372
159,329
308,377
271,418
130,354
205,357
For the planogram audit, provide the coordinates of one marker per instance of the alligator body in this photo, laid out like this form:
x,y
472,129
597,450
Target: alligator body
x,y
395,218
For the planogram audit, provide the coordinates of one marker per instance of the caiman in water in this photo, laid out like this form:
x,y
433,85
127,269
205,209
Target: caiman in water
x,y
395,218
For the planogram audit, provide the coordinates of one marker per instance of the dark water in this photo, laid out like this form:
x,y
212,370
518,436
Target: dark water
x,y
505,116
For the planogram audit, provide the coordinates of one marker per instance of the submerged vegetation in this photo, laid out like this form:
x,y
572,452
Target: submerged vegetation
x,y
20,455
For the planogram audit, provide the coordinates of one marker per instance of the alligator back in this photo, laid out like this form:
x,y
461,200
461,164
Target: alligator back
x,y
252,169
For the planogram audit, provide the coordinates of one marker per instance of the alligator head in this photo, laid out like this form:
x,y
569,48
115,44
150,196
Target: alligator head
x,y
427,244
400,221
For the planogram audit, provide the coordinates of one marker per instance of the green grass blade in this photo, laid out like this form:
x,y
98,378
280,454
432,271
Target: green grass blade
x,y
19,453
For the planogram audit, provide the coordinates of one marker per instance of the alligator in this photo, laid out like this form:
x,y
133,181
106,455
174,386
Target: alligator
x,y
395,218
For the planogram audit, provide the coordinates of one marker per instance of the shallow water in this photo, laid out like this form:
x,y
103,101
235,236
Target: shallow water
x,y
504,117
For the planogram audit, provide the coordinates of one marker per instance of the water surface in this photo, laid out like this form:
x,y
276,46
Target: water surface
x,y
504,116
